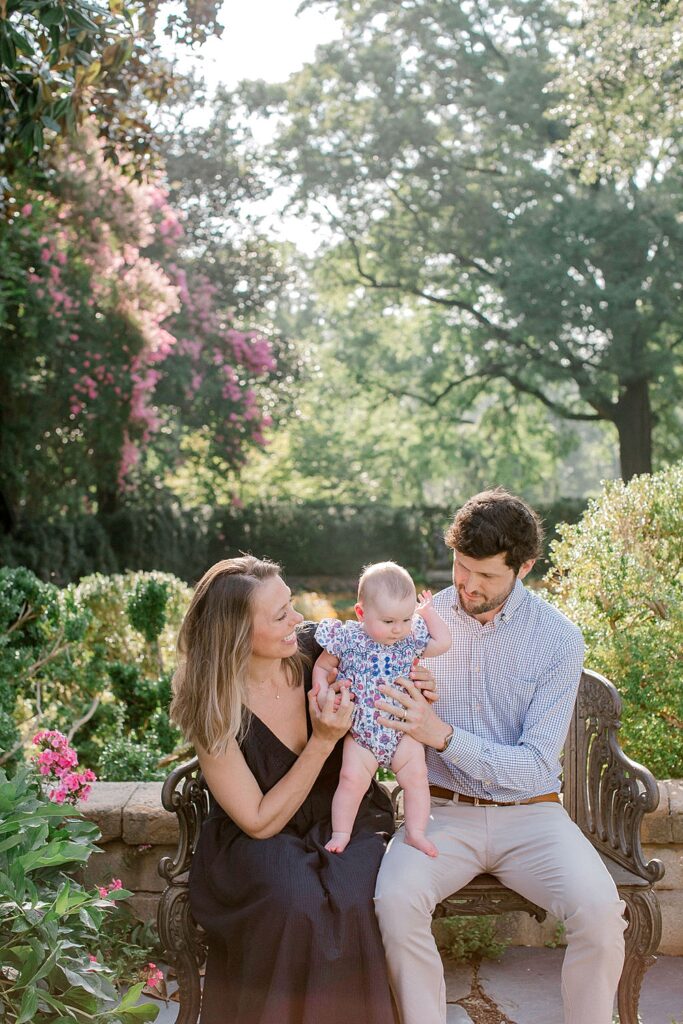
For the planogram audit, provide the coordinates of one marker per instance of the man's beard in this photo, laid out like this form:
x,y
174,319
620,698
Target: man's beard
x,y
485,605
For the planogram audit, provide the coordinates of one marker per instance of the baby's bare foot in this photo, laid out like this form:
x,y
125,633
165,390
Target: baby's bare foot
x,y
338,842
420,842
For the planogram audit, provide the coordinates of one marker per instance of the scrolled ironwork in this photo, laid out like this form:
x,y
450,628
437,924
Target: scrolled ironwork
x,y
185,794
612,792
642,938
184,946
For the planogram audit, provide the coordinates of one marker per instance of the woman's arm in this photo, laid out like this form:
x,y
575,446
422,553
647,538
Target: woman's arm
x,y
233,785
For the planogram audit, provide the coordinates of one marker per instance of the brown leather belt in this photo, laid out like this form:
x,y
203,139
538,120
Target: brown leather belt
x,y
477,801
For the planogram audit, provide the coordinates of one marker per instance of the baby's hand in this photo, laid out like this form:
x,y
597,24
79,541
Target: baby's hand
x,y
423,678
339,686
424,600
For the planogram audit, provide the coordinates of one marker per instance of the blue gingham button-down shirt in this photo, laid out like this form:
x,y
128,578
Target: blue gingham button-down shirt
x,y
508,689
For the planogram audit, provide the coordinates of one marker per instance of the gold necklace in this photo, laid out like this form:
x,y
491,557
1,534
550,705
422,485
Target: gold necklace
x,y
264,682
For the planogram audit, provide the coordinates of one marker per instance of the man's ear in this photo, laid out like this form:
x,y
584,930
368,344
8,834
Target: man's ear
x,y
358,609
525,568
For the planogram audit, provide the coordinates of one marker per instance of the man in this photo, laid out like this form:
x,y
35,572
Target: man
x,y
506,690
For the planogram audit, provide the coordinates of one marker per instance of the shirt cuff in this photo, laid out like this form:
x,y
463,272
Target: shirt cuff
x,y
464,751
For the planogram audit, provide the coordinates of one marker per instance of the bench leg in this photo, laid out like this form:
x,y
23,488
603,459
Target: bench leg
x,y
184,949
642,938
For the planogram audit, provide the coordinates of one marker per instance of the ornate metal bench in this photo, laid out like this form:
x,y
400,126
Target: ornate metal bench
x,y
605,793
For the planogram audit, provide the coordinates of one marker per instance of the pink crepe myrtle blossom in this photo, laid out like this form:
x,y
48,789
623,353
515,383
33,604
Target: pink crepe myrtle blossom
x,y
154,975
95,266
57,764
105,890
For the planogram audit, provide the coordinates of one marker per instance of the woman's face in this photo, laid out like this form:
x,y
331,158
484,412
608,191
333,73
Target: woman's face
x,y
274,620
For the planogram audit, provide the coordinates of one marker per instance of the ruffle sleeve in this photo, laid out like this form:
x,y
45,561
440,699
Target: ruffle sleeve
x,y
421,635
331,635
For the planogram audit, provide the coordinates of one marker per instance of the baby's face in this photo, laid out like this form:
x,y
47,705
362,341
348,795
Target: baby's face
x,y
387,619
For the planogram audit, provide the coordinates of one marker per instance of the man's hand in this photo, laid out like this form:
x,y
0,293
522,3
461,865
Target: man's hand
x,y
424,679
419,720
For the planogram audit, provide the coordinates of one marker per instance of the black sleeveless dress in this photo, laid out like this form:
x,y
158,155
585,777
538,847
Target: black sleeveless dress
x,y
292,932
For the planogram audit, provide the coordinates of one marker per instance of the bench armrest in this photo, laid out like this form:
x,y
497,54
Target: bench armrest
x,y
184,793
606,793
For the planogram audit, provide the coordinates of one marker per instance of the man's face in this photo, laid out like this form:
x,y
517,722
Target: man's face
x,y
484,584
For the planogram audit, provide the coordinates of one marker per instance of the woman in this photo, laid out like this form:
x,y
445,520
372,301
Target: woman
x,y
292,932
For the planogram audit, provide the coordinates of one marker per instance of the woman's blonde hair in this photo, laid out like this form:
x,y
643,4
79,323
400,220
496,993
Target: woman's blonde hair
x,y
214,646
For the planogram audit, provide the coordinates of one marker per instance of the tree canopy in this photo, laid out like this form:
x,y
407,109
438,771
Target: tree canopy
x,y
424,139
620,84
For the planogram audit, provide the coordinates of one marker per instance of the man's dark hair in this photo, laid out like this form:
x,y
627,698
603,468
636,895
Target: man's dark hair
x,y
496,522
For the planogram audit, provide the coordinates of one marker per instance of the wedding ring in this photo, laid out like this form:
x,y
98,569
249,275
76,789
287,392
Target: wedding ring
x,y
405,714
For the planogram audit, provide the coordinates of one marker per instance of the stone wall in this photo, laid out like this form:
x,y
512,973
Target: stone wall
x,y
137,832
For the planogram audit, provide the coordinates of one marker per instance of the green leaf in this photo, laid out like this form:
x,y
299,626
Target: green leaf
x,y
21,42
7,844
8,54
54,853
48,964
62,901
92,983
33,959
29,1005
50,123
130,1010
51,16
77,18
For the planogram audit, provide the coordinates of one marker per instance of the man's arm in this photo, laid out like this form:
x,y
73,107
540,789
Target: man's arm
x,y
523,765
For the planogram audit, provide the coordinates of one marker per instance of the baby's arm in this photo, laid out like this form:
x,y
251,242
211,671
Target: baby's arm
x,y
325,664
439,634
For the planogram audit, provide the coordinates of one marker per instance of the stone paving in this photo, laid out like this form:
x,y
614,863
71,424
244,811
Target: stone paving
x,y
525,985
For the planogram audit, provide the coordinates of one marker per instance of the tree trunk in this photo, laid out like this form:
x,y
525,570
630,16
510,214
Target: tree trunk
x,y
8,519
633,420
107,501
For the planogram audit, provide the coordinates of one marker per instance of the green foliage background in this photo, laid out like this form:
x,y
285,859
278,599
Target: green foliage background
x,y
618,573
50,924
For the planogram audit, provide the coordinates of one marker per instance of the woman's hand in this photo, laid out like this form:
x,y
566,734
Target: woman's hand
x,y
332,719
423,679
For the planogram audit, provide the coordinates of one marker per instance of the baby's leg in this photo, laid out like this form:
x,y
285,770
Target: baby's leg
x,y
358,768
411,771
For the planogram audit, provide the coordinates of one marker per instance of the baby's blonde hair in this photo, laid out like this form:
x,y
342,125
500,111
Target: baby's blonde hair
x,y
385,578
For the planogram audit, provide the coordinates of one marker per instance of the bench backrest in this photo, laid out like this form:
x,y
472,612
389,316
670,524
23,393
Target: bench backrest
x,y
605,792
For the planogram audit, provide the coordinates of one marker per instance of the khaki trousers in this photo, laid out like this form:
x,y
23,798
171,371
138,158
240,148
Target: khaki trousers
x,y
535,849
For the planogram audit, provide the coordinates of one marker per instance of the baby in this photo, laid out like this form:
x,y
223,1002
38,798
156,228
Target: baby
x,y
392,630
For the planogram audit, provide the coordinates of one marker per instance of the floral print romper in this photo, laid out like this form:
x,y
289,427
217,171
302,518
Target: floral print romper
x,y
370,664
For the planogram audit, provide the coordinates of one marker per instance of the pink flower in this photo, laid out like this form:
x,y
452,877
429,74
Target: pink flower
x,y
57,762
26,210
105,890
154,975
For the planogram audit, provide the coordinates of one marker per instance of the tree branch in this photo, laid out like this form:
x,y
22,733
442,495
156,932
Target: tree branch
x,y
449,303
25,615
81,721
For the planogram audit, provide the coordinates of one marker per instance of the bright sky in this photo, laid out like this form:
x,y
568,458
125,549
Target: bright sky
x,y
263,39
